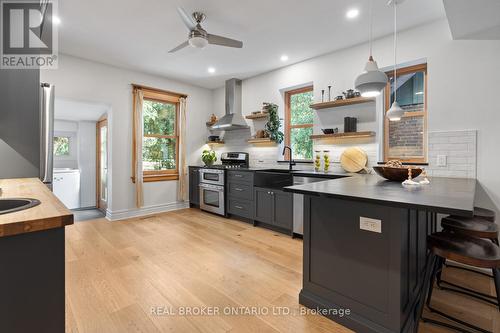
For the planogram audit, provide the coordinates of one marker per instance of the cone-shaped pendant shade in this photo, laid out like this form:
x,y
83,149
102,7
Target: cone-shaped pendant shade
x,y
371,81
395,112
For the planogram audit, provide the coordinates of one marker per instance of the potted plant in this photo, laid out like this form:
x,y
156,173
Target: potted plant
x,y
274,123
208,157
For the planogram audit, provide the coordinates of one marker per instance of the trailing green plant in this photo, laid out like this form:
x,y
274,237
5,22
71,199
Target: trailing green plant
x,y
208,157
274,123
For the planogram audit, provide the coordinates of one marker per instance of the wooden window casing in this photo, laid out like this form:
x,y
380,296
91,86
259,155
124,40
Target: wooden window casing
x,y
288,116
423,114
161,96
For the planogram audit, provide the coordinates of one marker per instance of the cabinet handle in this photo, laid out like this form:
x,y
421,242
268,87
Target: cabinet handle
x,y
238,189
239,207
239,176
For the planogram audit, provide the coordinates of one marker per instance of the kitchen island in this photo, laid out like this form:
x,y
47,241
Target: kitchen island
x,y
32,257
365,246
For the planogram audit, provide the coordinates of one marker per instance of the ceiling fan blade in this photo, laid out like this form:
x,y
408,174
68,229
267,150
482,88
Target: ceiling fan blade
x,y
224,41
187,19
183,45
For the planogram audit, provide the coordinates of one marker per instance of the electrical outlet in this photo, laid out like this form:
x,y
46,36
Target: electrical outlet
x,y
441,160
368,224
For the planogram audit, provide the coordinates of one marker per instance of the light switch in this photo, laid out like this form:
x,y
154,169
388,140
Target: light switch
x,y
441,160
368,224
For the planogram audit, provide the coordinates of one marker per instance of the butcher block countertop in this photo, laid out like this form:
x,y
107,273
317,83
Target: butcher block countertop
x,y
50,214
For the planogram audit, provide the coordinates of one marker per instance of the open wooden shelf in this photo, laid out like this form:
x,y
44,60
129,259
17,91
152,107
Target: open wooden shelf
x,y
257,116
342,102
215,142
261,140
351,135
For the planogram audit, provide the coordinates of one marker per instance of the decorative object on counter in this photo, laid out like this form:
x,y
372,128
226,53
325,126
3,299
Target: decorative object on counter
x,y
354,159
317,160
322,95
410,180
395,171
329,93
350,124
330,130
395,112
339,98
326,160
372,80
425,181
208,157
274,123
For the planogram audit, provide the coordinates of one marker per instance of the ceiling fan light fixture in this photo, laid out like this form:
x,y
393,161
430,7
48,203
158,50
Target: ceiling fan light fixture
x,y
198,42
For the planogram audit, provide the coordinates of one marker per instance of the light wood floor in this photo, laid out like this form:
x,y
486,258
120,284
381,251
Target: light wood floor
x,y
117,273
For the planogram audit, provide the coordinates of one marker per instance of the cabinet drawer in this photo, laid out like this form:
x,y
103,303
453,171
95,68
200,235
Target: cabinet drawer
x,y
240,191
240,176
243,208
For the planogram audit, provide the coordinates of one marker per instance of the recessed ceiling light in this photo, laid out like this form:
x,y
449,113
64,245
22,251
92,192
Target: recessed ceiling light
x,y
56,20
352,13
211,70
284,57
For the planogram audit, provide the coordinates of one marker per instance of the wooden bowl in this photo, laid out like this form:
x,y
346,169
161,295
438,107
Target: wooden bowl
x,y
397,174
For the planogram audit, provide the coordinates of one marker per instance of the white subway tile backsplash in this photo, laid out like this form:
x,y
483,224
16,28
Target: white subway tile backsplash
x,y
460,149
458,146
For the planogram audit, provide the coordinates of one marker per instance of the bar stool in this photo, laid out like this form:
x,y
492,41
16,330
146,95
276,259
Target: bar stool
x,y
482,213
472,227
463,249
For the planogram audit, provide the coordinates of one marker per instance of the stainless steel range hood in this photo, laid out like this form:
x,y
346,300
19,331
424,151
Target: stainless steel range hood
x,y
233,119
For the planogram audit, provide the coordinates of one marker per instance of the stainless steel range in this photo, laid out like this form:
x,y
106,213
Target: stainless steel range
x,y
213,182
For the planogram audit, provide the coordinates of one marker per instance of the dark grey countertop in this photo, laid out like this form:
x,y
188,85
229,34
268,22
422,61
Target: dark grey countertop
x,y
442,195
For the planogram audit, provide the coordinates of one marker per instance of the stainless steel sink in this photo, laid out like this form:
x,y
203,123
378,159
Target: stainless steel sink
x,y
11,205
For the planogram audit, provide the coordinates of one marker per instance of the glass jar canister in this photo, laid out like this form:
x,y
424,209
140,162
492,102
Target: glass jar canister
x,y
326,160
317,160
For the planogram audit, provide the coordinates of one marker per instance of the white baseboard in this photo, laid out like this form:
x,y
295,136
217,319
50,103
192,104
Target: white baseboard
x,y
137,212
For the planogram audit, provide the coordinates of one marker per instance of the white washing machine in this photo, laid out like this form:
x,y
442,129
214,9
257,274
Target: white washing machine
x,y
66,186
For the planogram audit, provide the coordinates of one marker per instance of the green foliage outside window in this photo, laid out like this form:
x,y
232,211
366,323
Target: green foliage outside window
x,y
159,144
61,146
301,114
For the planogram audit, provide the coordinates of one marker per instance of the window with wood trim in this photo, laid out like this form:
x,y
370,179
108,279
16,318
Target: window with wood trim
x,y
406,140
299,123
160,143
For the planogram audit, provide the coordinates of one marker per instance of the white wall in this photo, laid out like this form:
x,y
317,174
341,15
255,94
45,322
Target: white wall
x,y
89,81
463,87
87,163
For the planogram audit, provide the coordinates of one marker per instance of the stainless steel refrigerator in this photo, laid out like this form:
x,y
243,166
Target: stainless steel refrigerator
x,y
47,133
26,125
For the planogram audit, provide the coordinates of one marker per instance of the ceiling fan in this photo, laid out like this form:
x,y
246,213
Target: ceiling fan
x,y
199,37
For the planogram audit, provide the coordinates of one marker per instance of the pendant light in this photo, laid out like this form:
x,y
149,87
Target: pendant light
x,y
372,80
395,112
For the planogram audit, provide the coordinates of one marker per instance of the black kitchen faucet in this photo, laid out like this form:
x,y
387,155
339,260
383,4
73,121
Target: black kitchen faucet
x,y
291,163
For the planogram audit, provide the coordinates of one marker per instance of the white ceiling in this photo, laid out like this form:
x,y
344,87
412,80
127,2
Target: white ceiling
x,y
66,109
138,34
479,19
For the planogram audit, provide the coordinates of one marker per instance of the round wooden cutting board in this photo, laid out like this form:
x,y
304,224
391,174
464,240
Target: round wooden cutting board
x,y
353,159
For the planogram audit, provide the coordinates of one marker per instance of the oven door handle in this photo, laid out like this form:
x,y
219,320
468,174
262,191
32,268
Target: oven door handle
x,y
211,187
